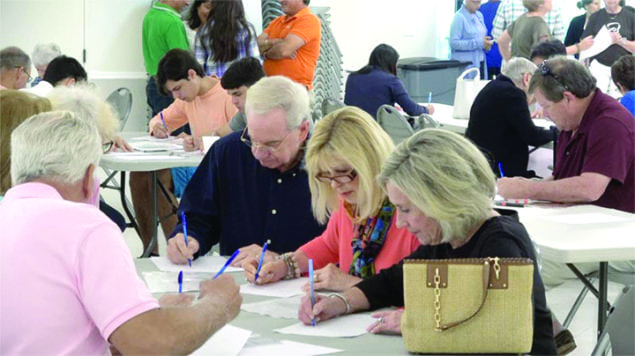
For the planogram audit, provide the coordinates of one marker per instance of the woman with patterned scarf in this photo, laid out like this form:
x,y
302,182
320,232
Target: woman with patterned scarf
x,y
344,155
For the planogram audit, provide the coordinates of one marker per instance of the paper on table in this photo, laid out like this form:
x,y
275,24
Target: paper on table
x,y
227,341
286,308
282,289
167,282
601,41
207,264
586,218
346,326
171,139
137,157
285,347
154,146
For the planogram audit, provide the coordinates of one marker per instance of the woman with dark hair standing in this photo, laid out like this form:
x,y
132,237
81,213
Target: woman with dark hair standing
x,y
578,23
376,84
225,37
197,14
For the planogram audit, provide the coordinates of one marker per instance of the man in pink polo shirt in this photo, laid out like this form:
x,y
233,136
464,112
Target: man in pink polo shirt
x,y
67,278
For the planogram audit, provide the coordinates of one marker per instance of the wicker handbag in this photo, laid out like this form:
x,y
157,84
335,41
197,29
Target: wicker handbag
x,y
478,305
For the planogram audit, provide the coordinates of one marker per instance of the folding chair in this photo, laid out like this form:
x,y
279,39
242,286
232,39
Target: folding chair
x,y
394,123
618,333
121,101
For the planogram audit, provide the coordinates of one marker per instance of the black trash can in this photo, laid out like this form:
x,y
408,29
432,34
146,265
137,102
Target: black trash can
x,y
423,75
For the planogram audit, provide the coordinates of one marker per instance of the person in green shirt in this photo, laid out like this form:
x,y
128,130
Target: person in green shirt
x,y
163,30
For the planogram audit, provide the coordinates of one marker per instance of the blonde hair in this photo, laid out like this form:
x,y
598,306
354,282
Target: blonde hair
x,y
15,107
280,92
446,177
348,134
86,104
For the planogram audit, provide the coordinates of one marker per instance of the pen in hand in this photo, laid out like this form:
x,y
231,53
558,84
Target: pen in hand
x,y
163,121
229,261
180,281
184,221
312,288
500,170
262,256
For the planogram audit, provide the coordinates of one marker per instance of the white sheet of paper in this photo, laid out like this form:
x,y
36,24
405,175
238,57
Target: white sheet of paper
x,y
346,326
171,139
228,341
137,157
282,289
586,218
286,308
601,41
167,282
288,348
154,146
207,264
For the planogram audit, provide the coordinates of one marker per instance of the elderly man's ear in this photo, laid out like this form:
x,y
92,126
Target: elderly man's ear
x,y
90,186
526,80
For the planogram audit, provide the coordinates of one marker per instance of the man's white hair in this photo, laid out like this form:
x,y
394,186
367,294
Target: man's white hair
x,y
43,53
516,68
54,145
279,92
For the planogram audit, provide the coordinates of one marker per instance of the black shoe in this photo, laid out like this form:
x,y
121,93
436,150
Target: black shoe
x,y
565,342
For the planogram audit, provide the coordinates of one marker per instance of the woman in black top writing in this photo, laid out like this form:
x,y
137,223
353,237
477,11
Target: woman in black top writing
x,y
443,189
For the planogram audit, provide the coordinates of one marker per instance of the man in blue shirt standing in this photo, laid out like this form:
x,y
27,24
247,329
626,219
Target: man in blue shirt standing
x,y
251,186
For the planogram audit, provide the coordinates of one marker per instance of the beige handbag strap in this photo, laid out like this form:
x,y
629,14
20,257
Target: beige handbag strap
x,y
486,272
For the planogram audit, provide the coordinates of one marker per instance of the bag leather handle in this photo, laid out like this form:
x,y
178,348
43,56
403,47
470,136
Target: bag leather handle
x,y
486,272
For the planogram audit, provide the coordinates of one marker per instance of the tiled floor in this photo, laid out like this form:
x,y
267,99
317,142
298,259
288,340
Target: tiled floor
x,y
560,298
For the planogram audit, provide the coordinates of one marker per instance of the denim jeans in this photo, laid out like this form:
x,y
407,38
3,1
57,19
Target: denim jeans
x,y
156,101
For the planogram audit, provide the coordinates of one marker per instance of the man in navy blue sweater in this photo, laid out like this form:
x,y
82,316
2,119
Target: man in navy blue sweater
x,y
251,186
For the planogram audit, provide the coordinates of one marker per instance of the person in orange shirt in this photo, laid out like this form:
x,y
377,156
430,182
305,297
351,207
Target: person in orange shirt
x,y
201,102
291,43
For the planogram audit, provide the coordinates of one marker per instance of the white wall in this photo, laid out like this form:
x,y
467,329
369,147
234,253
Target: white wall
x,y
414,27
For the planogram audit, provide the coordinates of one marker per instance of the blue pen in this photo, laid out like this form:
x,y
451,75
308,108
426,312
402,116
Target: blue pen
x,y
229,261
184,221
262,256
163,121
312,288
500,170
180,281
429,97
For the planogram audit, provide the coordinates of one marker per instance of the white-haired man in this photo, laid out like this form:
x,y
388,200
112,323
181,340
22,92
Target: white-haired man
x,y
68,282
500,122
251,186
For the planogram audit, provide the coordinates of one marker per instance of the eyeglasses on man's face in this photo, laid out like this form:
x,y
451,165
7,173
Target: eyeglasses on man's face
x,y
545,71
343,178
270,147
28,75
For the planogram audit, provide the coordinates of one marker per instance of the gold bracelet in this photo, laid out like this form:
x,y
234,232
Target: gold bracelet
x,y
343,299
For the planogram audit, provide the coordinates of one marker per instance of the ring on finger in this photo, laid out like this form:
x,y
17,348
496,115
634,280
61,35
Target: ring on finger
x,y
315,278
381,320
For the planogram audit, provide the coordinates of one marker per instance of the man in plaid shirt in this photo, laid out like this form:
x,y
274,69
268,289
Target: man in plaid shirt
x,y
510,10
